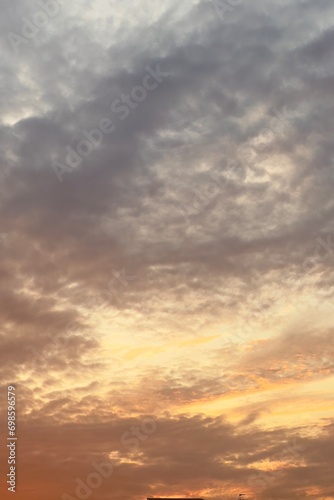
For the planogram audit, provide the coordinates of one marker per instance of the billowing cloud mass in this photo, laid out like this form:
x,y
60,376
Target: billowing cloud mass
x,y
167,248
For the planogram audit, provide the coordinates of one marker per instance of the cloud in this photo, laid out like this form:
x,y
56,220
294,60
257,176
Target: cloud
x,y
183,454
187,261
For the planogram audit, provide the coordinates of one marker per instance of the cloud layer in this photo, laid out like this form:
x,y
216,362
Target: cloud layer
x,y
167,245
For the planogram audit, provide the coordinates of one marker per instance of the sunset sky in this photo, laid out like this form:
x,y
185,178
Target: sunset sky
x,y
167,248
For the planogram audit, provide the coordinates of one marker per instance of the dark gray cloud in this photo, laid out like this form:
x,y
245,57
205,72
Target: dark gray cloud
x,y
208,206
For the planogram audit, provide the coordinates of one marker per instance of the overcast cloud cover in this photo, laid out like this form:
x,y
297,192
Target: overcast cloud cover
x,y
176,268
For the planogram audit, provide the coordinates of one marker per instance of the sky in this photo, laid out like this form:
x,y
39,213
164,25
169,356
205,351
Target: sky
x,y
167,248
